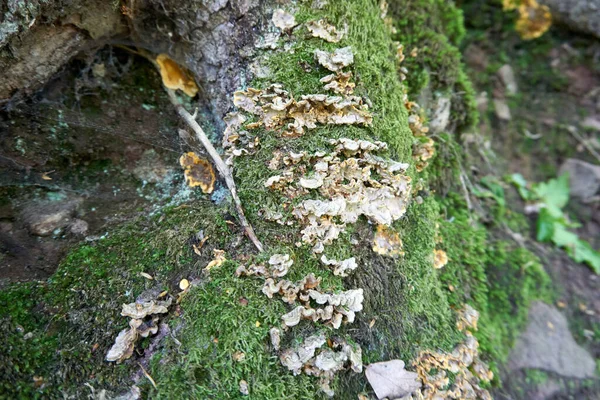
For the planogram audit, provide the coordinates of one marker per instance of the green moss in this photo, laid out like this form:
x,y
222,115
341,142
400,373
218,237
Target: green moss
x,y
436,29
496,276
50,328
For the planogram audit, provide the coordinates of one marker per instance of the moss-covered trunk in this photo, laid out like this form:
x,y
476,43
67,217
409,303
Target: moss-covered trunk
x,y
56,333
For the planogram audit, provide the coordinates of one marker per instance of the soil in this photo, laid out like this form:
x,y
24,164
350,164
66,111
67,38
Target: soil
x,y
92,136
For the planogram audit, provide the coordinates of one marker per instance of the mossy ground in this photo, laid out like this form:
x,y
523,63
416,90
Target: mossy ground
x,y
409,300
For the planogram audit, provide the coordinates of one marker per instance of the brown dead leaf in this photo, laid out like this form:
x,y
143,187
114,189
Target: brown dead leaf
x,y
198,172
174,77
219,258
390,379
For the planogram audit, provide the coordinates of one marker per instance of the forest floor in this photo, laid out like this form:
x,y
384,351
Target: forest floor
x,y
539,103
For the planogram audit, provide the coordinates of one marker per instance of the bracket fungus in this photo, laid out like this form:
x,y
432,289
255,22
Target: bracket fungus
x,y
354,182
174,77
463,363
198,172
143,323
340,268
329,33
335,60
440,259
339,83
283,20
311,358
386,242
277,108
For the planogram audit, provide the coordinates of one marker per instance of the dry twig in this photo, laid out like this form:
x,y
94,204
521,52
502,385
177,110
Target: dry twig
x,y
219,163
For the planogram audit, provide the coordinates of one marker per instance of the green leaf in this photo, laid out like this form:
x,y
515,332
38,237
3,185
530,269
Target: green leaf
x,y
554,193
585,253
521,185
562,237
579,250
545,226
495,188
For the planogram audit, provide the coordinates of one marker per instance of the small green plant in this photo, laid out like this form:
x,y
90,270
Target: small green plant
x,y
549,199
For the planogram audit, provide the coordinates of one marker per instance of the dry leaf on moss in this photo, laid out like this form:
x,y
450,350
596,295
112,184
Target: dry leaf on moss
x,y
336,60
386,242
184,284
326,31
389,379
440,259
283,20
219,258
198,172
174,77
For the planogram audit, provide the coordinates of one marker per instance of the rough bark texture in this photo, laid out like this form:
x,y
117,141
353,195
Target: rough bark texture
x,y
211,38
580,15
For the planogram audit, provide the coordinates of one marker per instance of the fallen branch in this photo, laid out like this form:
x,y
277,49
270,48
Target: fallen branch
x,y
223,169
219,163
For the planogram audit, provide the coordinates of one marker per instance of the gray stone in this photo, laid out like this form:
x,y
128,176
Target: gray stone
x,y
45,224
502,110
584,178
547,344
580,15
45,217
591,123
79,227
507,75
440,115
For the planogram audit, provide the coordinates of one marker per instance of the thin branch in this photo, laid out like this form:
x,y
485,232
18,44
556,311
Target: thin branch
x,y
584,142
148,376
223,169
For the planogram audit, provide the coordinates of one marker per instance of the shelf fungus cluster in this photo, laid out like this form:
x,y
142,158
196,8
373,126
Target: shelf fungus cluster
x,y
311,358
354,182
351,181
534,18
463,363
322,29
277,109
143,323
314,305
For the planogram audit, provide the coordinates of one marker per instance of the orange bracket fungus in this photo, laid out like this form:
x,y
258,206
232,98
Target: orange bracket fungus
x,y
198,172
174,77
